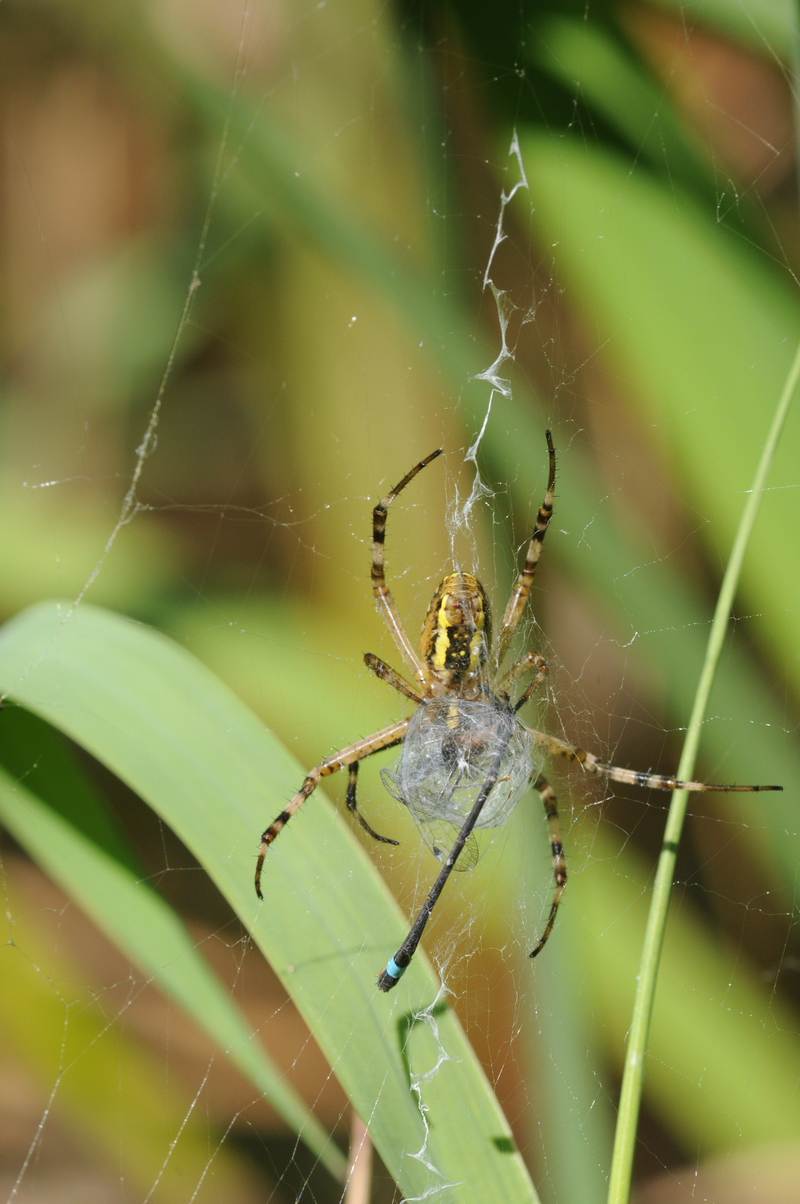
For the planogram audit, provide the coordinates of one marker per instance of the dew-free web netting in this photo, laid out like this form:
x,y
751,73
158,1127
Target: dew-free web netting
x,y
259,260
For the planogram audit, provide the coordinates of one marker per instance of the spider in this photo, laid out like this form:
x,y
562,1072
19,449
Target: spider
x,y
467,757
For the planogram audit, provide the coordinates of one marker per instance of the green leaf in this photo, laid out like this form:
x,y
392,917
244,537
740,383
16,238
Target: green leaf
x,y
186,745
69,834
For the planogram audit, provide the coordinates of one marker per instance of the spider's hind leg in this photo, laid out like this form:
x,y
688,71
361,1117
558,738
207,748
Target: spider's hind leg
x,y
350,756
529,662
351,804
546,794
631,777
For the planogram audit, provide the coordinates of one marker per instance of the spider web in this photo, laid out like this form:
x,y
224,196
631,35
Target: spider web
x,y
208,385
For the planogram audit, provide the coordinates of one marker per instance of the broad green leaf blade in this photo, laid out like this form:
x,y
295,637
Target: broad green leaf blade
x,y
193,751
31,751
135,918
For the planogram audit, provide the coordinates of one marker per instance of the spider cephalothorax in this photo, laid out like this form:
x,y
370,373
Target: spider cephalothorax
x,y
466,757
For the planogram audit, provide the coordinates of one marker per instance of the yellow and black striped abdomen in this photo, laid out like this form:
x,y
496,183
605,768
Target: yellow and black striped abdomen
x,y
457,628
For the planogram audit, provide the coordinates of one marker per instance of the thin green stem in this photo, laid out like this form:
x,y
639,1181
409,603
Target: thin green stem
x,y
633,1073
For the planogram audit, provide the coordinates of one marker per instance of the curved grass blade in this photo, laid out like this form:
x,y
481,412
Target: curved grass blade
x,y
192,750
133,916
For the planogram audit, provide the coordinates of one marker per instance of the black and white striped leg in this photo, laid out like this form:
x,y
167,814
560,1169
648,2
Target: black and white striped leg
x,y
632,777
546,794
522,589
389,737
351,803
383,595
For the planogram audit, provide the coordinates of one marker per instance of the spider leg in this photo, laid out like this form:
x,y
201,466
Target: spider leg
x,y
387,673
380,589
398,964
548,798
530,661
516,603
351,803
386,738
653,781
537,681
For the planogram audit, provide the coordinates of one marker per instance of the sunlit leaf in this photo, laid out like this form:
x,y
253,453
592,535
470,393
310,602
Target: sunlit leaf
x,y
181,740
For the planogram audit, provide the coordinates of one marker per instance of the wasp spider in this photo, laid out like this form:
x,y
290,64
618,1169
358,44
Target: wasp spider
x,y
467,758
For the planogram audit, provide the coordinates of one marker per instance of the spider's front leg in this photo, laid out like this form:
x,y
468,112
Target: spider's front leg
x,y
380,589
386,673
387,738
516,603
